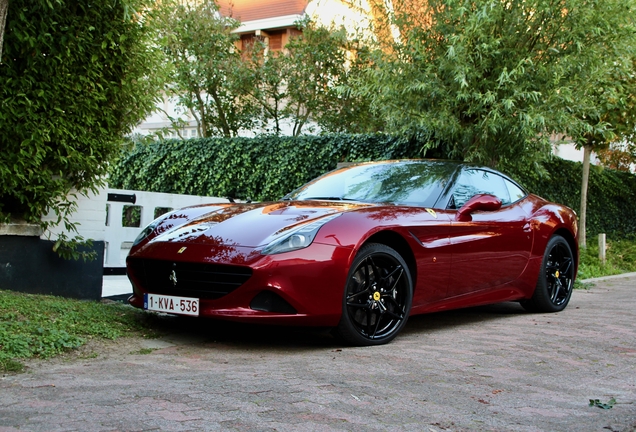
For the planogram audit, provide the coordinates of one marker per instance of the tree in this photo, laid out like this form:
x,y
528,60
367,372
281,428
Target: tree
x,y
487,80
309,81
339,109
4,7
76,76
317,70
606,112
209,77
269,89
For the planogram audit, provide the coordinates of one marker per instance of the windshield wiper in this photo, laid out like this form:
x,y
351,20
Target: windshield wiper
x,y
328,198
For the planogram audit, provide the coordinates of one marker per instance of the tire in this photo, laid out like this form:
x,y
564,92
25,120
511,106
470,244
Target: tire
x,y
377,297
556,278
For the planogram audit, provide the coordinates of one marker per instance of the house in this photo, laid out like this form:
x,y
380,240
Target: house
x,y
272,21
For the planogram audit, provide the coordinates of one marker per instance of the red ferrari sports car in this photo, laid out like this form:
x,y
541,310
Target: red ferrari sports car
x,y
360,249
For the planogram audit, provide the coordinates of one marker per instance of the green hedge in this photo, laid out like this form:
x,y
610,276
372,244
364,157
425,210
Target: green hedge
x,y
266,168
263,169
611,203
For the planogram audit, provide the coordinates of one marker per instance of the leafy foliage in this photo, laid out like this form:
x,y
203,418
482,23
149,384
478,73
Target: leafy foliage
x,y
266,168
76,76
263,168
490,80
620,258
269,91
610,198
619,156
44,326
318,71
208,77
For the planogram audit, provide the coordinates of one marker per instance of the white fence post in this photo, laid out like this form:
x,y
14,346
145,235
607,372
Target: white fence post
x,y
602,248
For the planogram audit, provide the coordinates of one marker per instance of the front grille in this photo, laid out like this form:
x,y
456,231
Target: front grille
x,y
184,279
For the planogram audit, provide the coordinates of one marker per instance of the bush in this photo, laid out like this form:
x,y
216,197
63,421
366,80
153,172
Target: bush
x,y
611,194
263,169
76,77
266,168
44,326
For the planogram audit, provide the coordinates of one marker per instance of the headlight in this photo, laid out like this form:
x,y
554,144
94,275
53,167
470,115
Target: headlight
x,y
298,238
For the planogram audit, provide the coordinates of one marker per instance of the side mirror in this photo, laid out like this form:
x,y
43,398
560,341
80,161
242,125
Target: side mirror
x,y
481,202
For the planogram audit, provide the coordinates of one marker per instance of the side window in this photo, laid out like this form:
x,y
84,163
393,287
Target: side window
x,y
516,193
473,182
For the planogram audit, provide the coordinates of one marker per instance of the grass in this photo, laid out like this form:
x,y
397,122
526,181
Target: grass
x,y
143,351
620,258
45,326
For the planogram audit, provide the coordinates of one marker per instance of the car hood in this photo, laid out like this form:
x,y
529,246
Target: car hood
x,y
251,225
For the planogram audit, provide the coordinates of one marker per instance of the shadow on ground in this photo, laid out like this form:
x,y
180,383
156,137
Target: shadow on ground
x,y
242,335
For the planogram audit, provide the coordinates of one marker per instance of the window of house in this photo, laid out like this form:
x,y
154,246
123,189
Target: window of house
x,y
247,42
276,41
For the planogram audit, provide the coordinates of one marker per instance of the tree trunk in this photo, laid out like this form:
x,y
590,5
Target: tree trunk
x,y
587,153
4,8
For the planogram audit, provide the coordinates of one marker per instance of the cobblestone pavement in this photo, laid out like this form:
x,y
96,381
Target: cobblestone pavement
x,y
493,368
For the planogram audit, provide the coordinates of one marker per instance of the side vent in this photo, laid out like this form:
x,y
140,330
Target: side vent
x,y
268,301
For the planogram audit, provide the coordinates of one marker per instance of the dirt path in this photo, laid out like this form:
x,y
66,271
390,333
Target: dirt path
x,y
494,368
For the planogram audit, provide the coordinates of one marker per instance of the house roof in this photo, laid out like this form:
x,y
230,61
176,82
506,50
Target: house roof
x,y
253,10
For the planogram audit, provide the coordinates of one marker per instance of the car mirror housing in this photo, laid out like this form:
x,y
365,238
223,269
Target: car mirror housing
x,y
481,202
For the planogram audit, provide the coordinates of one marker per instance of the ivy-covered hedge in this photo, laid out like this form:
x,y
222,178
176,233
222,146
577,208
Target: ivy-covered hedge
x,y
266,168
611,196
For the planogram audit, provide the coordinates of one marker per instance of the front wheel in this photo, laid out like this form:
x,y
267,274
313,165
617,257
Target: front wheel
x,y
556,278
377,298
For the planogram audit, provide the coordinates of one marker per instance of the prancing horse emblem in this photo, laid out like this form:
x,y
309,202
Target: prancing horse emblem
x,y
173,278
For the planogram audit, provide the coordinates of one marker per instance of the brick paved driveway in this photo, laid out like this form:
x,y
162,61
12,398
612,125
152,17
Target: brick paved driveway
x,y
494,368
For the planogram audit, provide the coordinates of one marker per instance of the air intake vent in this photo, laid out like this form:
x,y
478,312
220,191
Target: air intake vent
x,y
204,281
268,301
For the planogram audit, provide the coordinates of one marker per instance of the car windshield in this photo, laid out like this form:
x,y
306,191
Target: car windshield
x,y
407,183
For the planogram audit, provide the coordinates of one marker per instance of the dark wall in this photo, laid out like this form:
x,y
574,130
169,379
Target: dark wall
x,y
29,265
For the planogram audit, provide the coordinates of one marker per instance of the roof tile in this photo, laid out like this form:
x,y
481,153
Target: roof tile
x,y
251,10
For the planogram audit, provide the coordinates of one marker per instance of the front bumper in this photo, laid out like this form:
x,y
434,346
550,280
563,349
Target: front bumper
x,y
309,281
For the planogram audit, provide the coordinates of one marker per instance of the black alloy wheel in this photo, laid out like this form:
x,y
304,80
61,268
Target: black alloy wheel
x,y
377,297
556,278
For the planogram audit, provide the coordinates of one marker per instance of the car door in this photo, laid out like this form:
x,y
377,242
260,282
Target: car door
x,y
493,247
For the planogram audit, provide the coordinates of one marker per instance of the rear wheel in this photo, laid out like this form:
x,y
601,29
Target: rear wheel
x,y
377,297
556,278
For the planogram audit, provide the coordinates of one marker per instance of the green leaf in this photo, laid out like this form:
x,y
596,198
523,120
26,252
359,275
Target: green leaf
x,y
597,403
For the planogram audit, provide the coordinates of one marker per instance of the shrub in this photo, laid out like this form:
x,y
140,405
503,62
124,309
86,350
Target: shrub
x,y
263,169
76,77
266,168
611,194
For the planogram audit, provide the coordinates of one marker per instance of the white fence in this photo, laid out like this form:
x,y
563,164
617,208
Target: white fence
x,y
100,217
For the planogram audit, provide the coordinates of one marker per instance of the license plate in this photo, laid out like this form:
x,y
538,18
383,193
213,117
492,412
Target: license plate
x,y
171,304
